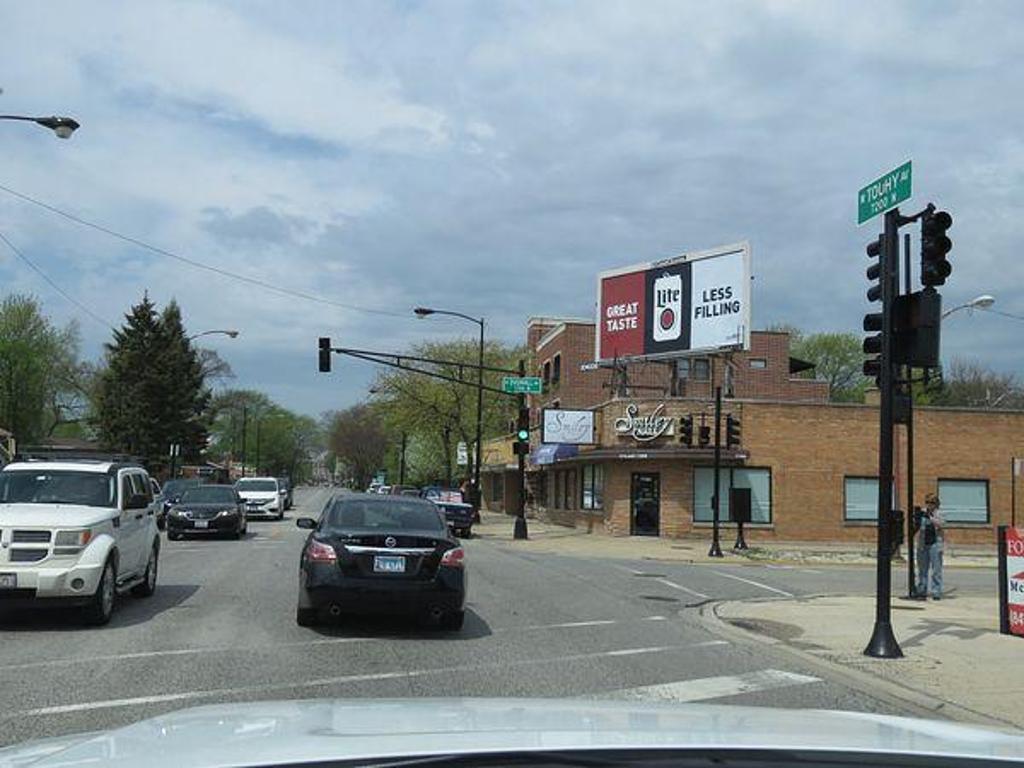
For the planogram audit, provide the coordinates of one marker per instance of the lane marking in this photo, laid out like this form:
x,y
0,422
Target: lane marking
x,y
716,687
753,583
342,679
681,588
630,571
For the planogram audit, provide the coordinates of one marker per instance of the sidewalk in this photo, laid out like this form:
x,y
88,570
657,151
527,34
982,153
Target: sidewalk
x,y
558,539
956,664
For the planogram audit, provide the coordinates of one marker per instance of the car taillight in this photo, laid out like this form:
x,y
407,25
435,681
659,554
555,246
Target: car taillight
x,y
319,552
454,558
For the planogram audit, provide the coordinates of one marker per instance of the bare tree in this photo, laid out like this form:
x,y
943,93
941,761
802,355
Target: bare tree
x,y
968,383
359,441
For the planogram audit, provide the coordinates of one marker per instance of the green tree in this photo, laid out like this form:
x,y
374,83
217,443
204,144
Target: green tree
x,y
42,383
358,440
152,392
838,359
436,414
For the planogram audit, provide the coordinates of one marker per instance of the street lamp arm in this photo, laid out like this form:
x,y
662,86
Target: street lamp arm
x,y
62,126
423,312
230,333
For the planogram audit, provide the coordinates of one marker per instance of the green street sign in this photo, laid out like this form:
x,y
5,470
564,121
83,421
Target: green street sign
x,y
883,193
525,385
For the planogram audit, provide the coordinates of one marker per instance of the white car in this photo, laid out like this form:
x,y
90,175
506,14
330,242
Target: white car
x,y
262,497
76,532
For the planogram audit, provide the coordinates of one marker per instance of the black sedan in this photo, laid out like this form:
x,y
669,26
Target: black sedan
x,y
170,495
207,509
381,554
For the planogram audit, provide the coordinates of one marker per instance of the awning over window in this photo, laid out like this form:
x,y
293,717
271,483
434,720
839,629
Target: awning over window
x,y
549,453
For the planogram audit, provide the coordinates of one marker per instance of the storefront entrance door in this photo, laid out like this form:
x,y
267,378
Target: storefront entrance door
x,y
645,504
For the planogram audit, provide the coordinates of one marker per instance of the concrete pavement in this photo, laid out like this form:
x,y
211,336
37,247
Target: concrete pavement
x,y
955,663
221,628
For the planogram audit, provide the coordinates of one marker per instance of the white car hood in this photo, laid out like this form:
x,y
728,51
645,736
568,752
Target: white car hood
x,y
274,733
52,515
258,495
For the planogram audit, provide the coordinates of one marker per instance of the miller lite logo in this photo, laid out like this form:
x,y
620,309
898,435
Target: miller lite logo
x,y
668,307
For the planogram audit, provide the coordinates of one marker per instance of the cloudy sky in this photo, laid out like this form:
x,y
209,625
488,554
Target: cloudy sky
x,y
492,157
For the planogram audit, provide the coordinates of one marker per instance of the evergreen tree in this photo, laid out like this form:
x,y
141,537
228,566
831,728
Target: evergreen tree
x,y
152,393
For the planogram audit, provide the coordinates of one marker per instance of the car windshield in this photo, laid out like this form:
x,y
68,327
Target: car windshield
x,y
259,486
174,488
91,489
392,516
208,494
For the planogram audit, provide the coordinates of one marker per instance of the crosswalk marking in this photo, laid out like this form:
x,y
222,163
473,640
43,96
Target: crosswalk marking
x,y
715,687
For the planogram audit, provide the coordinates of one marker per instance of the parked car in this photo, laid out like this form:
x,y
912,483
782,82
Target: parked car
x,y
76,532
384,490
286,488
170,495
262,497
440,493
381,554
207,509
404,490
459,517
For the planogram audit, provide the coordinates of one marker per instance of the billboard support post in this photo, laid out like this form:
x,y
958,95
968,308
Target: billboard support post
x,y
716,547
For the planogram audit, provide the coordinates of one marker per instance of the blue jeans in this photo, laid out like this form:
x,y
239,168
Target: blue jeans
x,y
929,558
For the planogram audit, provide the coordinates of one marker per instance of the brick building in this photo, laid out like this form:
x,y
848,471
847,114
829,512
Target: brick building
x,y
811,465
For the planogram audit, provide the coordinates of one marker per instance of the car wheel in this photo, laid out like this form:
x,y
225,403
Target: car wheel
x,y
453,620
101,605
467,533
148,585
306,617
173,536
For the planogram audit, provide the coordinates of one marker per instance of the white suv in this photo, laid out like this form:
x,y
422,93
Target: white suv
x,y
76,531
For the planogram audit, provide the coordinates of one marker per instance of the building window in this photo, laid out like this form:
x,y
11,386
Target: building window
x,y
758,362
497,486
559,489
556,369
860,499
569,485
728,389
964,501
759,481
592,496
547,371
700,369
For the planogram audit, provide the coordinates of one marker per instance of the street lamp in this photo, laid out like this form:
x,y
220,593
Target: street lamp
x,y
426,311
63,127
978,302
231,333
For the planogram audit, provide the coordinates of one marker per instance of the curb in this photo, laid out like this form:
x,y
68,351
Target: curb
x,y
924,705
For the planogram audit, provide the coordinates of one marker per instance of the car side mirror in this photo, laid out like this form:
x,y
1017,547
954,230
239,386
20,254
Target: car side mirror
x,y
137,501
306,522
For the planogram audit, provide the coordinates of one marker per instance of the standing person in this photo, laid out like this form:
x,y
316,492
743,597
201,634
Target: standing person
x,y
930,541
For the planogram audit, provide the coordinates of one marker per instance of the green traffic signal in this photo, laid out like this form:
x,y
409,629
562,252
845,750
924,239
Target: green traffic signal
x,y
523,435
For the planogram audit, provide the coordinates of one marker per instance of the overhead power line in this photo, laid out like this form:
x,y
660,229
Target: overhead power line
x,y
999,312
54,285
197,264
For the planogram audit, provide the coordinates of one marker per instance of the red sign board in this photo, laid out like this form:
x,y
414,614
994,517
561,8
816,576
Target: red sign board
x,y
1014,580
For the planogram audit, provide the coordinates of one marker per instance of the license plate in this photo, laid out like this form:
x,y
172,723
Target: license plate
x,y
202,523
384,564
8,581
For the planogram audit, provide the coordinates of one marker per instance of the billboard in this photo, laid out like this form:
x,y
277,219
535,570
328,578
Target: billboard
x,y
567,427
694,303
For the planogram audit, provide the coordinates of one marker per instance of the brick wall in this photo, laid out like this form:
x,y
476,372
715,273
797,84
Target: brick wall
x,y
810,450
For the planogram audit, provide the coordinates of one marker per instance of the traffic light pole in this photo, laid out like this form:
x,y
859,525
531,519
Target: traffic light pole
x,y
911,582
716,547
520,531
883,642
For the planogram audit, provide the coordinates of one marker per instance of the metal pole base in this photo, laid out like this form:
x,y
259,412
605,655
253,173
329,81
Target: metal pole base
x,y
741,543
716,549
519,532
882,644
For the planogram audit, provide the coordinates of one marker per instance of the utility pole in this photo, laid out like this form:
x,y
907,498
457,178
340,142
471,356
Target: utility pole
x,y
245,428
520,530
401,462
477,490
716,548
911,582
256,463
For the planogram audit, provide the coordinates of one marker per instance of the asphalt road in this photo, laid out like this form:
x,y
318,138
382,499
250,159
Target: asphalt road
x,y
221,627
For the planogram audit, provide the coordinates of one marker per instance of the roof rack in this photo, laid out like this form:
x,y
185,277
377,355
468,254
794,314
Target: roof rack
x,y
75,454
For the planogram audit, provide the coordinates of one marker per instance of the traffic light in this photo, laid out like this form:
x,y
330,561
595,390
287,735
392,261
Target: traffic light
x,y
522,442
325,354
686,427
704,437
934,247
732,431
873,320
